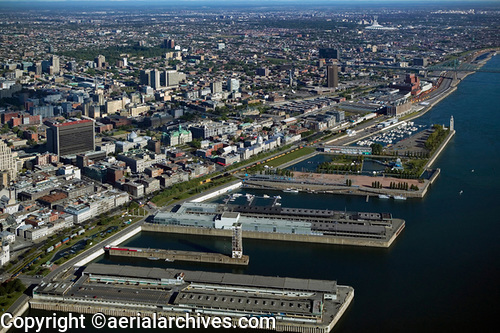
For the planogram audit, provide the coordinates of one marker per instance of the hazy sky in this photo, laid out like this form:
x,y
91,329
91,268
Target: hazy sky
x,y
262,1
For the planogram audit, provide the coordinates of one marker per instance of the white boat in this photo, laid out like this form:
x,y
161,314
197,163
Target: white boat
x,y
383,196
291,190
277,197
399,197
169,260
265,196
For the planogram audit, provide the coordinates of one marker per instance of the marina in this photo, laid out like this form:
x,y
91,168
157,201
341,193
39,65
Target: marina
x,y
400,131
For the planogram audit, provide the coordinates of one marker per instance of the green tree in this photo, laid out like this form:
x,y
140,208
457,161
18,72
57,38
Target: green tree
x,y
376,148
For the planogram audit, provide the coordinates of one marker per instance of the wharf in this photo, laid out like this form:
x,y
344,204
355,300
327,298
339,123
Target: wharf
x,y
172,255
287,237
289,304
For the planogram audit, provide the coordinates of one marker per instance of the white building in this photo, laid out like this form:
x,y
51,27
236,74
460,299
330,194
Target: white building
x,y
4,253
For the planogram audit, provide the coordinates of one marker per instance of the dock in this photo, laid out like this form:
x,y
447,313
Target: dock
x,y
288,304
173,255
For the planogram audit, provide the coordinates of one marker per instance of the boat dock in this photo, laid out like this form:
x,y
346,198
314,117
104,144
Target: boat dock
x,y
172,255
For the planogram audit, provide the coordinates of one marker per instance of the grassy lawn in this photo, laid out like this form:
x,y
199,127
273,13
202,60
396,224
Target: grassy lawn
x,y
9,292
289,157
187,189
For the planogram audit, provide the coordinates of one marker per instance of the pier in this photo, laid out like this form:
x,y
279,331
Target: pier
x,y
172,255
294,305
287,237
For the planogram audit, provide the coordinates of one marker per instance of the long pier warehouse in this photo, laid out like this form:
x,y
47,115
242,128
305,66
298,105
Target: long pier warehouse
x,y
280,223
298,305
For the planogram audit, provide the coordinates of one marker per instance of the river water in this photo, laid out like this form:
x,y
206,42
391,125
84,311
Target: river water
x,y
442,273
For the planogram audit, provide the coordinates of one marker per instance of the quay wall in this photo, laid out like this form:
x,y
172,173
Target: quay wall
x,y
213,258
218,192
117,310
319,239
100,252
337,189
300,159
97,253
440,150
126,236
343,308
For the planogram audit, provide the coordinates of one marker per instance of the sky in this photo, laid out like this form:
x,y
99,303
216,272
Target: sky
x,y
259,1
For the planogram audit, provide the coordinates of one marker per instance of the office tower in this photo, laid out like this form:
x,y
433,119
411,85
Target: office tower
x,y
233,85
329,53
8,165
98,97
95,111
100,60
155,79
216,87
125,62
36,68
262,71
72,137
420,62
145,77
54,62
71,66
169,43
332,72
172,78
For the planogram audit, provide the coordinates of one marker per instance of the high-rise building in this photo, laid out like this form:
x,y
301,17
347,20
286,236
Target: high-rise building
x,y
233,85
72,137
100,60
173,77
262,71
169,43
332,73
216,87
145,77
36,68
329,53
54,62
7,164
155,79
420,62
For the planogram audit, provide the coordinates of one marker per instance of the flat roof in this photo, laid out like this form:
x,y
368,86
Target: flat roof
x,y
253,281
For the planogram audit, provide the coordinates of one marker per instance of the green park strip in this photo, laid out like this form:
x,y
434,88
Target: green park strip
x,y
290,157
